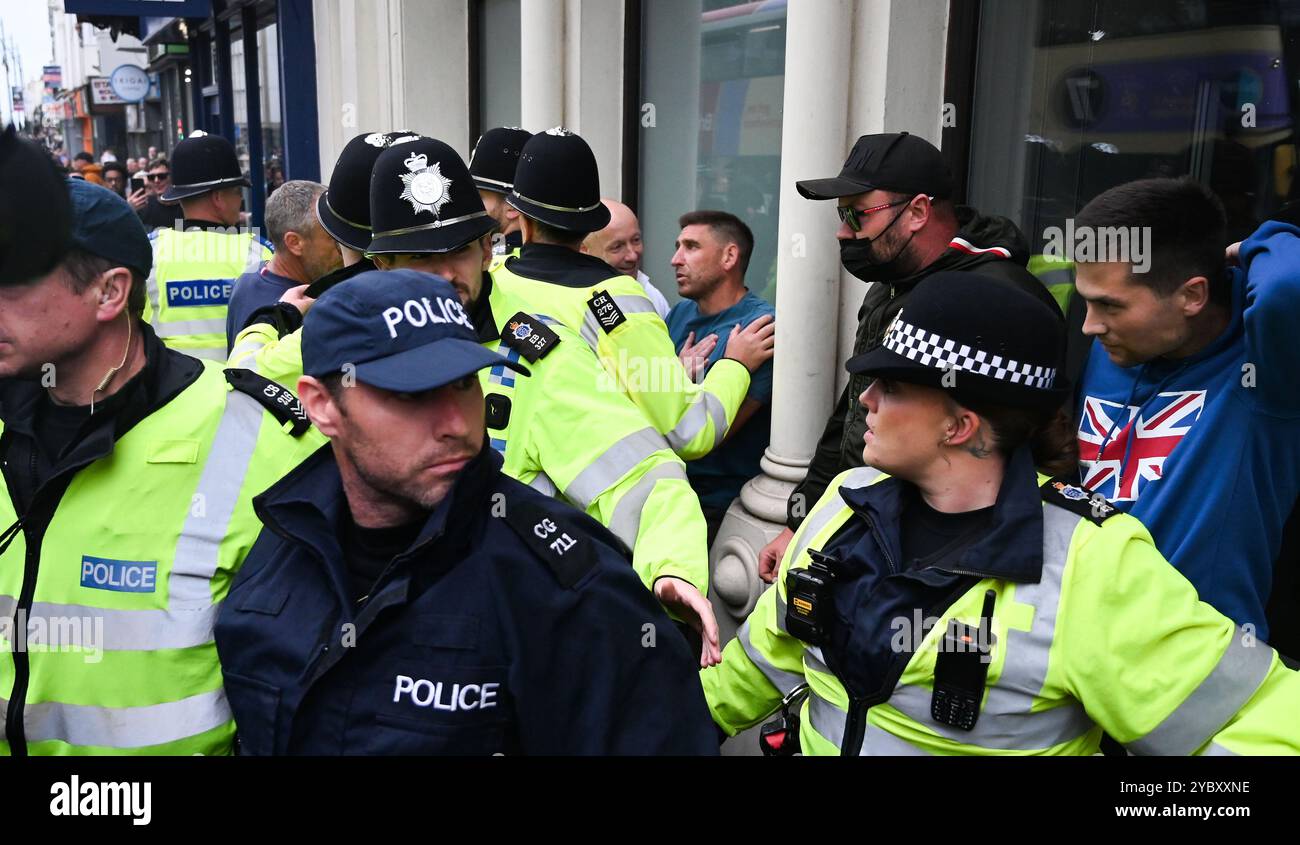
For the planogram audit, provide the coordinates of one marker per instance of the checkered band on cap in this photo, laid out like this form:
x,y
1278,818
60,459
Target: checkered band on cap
x,y
932,350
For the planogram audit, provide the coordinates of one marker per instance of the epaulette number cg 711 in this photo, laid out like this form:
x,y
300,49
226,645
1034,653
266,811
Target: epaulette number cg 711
x,y
569,553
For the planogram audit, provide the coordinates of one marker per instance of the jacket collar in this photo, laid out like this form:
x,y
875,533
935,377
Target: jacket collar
x,y
165,374
1012,548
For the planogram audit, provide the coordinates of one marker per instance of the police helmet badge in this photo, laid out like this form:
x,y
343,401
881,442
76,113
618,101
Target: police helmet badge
x,y
1070,491
424,187
520,330
377,139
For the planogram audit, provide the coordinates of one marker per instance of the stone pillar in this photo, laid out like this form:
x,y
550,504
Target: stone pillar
x,y
813,129
892,54
541,63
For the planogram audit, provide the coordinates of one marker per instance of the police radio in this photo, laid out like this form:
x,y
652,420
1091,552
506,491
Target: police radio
x,y
961,669
808,599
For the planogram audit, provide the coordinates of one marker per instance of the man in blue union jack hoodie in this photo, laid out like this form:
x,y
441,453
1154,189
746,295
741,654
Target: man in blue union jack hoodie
x,y
1189,405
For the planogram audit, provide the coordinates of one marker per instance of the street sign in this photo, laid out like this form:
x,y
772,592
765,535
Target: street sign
x,y
129,83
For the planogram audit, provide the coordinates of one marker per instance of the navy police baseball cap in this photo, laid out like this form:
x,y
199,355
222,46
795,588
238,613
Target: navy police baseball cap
x,y
105,225
402,330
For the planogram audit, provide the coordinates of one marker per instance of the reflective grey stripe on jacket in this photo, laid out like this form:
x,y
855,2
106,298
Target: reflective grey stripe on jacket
x,y
186,622
1233,681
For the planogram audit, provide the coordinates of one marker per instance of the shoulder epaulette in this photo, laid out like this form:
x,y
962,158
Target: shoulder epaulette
x,y
554,536
529,335
606,311
280,401
1064,493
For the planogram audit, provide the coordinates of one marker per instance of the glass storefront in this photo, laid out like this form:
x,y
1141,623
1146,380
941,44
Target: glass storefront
x,y
1073,97
271,167
713,80
498,63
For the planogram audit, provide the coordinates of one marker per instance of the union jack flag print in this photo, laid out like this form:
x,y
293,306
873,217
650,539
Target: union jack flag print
x,y
1163,423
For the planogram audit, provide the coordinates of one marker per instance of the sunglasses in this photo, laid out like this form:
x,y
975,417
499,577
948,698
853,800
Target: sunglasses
x,y
155,177
852,217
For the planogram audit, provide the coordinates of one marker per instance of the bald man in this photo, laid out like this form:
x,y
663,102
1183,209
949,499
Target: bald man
x,y
619,245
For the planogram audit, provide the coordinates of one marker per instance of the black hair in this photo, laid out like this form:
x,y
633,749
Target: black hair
x,y
1188,229
727,225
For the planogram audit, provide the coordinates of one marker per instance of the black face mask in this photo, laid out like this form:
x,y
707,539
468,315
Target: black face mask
x,y
860,258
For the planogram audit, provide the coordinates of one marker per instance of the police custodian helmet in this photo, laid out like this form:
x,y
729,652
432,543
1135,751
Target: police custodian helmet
x,y
558,184
200,164
422,199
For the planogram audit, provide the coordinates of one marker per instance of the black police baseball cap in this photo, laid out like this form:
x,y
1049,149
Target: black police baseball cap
x,y
35,211
423,200
105,225
402,330
994,342
557,182
495,158
344,208
201,164
897,162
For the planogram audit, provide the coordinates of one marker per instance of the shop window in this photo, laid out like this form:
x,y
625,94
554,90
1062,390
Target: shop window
x,y
1073,98
713,82
498,63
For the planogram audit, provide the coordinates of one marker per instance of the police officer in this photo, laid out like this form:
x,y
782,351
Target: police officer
x,y
406,597
557,192
427,216
964,604
344,213
492,164
195,265
126,508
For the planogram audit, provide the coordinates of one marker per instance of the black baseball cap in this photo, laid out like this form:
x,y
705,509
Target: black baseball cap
x,y
402,330
105,225
898,162
495,158
344,208
997,343
201,164
35,211
422,200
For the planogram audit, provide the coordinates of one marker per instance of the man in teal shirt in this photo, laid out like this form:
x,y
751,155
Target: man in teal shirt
x,y
713,252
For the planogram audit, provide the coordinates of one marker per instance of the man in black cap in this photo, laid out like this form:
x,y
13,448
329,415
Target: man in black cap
x,y
557,191
493,164
898,225
424,602
126,502
196,264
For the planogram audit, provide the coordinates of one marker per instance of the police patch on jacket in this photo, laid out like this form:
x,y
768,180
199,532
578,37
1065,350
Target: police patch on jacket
x,y
1064,493
529,336
606,311
281,402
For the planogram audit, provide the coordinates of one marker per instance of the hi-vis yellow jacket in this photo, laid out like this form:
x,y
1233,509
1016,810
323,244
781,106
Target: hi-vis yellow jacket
x,y
566,430
613,315
1094,632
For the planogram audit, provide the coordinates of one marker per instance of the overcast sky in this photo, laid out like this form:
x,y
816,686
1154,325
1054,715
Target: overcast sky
x,y
26,25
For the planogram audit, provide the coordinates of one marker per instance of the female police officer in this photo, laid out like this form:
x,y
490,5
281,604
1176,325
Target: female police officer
x,y
963,604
